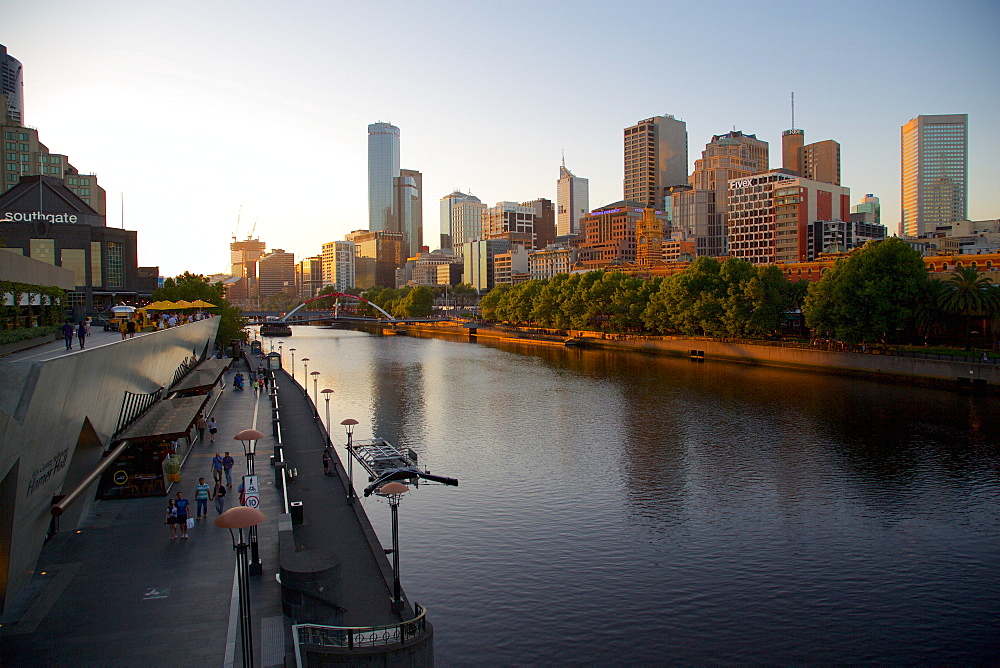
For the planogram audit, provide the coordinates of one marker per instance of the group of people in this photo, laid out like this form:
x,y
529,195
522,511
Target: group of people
x,y
127,327
178,510
82,331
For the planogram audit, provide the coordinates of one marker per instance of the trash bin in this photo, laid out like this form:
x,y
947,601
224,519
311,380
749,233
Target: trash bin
x,y
295,508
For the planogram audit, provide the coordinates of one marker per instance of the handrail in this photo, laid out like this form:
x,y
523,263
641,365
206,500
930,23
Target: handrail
x,y
355,637
64,503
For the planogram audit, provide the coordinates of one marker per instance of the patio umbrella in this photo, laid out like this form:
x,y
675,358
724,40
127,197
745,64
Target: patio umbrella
x,y
162,305
201,303
182,304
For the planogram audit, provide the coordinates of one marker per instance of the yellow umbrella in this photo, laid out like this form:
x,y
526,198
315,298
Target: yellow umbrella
x,y
201,303
162,305
182,304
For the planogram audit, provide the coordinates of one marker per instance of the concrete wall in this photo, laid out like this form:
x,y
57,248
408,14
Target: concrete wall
x,y
56,419
17,267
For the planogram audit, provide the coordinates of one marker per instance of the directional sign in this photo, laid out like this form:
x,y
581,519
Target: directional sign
x,y
251,493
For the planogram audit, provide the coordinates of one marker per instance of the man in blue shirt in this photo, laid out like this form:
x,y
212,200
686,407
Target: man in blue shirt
x,y
227,465
217,466
182,514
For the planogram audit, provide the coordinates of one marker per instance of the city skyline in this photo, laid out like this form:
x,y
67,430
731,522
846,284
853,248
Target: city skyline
x,y
189,102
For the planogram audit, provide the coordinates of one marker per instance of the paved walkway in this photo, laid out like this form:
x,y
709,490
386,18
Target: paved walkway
x,y
120,592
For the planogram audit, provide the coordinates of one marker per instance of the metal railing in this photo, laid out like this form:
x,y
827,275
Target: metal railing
x,y
357,637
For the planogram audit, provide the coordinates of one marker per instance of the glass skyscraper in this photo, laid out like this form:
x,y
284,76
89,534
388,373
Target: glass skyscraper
x,y
383,168
935,156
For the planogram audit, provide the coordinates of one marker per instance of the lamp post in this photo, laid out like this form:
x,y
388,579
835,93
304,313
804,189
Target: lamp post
x,y
326,395
280,344
292,351
248,438
241,518
394,491
349,424
315,375
305,383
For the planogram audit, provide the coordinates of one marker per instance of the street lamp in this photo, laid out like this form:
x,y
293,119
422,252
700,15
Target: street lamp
x,y
326,395
248,438
305,384
349,424
292,351
241,517
280,344
394,491
314,374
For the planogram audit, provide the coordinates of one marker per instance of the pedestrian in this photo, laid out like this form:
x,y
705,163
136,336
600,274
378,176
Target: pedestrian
x,y
182,514
87,325
171,519
123,328
212,428
172,322
227,466
326,461
986,358
243,494
201,493
67,330
220,497
201,424
217,467
130,326
81,333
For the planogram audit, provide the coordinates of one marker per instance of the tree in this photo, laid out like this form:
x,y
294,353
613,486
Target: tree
x,y
418,303
192,287
870,295
968,294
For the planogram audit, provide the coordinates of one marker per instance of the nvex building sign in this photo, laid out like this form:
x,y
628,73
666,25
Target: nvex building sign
x,y
45,220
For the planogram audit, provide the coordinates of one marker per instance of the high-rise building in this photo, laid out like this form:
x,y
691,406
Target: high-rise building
x,y
408,216
447,202
868,211
935,155
466,222
656,158
383,168
479,266
276,273
545,221
377,255
339,263
770,215
309,277
511,221
11,89
819,161
243,257
610,235
572,200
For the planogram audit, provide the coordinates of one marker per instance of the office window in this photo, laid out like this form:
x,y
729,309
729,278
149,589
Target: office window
x,y
95,263
84,191
22,147
75,259
115,262
43,250
76,298
84,182
22,136
71,181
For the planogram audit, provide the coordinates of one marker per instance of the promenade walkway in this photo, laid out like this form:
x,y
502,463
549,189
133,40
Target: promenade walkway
x,y
120,592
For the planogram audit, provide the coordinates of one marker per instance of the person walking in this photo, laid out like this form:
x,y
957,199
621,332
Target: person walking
x,y
81,333
182,514
201,424
171,519
227,466
217,466
123,328
67,330
220,497
326,461
201,494
212,428
130,326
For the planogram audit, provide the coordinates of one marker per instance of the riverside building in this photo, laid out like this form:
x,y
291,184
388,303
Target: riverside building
x,y
339,263
573,202
935,165
383,169
656,158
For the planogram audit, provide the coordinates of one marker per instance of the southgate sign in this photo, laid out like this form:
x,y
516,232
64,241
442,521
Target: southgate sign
x,y
22,217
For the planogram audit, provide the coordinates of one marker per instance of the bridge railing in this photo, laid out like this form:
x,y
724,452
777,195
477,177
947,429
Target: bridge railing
x,y
359,637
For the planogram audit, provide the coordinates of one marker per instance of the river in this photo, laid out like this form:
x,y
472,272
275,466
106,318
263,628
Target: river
x,y
620,508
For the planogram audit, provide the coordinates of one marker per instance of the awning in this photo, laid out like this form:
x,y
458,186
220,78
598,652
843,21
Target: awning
x,y
171,418
203,377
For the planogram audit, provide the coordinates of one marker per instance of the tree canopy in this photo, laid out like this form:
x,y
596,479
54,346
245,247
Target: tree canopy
x,y
192,287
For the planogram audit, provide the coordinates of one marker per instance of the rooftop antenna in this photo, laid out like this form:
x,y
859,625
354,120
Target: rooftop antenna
x,y
123,208
793,110
564,158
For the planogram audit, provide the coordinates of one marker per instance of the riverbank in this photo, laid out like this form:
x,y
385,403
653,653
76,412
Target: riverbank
x,y
964,375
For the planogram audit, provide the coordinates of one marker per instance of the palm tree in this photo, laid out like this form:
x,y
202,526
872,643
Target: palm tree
x,y
931,316
970,294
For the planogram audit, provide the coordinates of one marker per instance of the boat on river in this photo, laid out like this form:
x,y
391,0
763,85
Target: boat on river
x,y
275,328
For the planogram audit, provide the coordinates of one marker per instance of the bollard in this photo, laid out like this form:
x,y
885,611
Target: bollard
x,y
295,508
279,472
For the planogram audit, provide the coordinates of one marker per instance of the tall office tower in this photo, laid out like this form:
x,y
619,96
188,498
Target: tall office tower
x,y
338,263
819,161
11,89
792,142
511,221
309,277
868,211
935,152
478,257
656,158
408,215
573,200
545,221
383,167
276,273
466,222
447,202
377,255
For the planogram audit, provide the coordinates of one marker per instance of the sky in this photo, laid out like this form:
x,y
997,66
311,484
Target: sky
x,y
198,116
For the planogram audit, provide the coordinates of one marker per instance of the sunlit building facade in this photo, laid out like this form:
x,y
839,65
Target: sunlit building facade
x,y
935,165
11,88
656,158
408,218
383,169
572,201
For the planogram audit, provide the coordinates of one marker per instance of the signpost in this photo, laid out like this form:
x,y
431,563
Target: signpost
x,y
251,492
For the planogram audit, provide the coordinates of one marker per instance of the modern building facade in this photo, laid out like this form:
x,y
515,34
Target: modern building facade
x,y
572,200
408,217
383,169
11,88
839,236
511,221
478,262
819,161
466,222
867,211
656,158
309,277
511,267
770,214
554,259
445,208
339,263
545,221
377,255
276,274
935,165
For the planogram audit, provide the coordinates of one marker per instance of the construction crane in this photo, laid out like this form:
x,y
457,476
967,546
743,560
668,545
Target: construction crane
x,y
238,215
252,229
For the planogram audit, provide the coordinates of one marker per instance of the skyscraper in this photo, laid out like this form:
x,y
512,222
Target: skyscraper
x,y
466,222
408,215
935,156
656,158
11,88
447,202
572,200
383,168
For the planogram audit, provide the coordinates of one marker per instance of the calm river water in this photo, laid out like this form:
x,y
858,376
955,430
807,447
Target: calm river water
x,y
622,508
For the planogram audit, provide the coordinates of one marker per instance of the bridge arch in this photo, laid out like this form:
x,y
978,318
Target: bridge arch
x,y
337,294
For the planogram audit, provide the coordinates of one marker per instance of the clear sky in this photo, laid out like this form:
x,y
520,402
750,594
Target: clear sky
x,y
190,110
